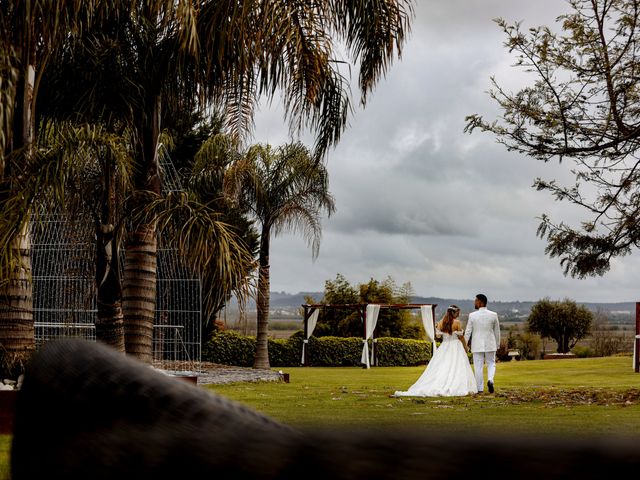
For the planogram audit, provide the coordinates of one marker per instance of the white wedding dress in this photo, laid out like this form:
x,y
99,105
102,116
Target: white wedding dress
x,y
448,374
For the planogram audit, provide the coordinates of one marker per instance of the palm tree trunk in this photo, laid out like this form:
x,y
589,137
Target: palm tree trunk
x,y
141,250
139,292
262,346
17,332
110,318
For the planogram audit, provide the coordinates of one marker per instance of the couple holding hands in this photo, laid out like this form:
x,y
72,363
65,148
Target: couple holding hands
x,y
449,373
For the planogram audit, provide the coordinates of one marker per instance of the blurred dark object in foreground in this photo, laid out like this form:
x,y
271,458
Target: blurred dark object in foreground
x,y
87,412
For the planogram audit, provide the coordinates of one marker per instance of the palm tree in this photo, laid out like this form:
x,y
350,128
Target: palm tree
x,y
98,164
231,53
206,183
118,74
284,189
29,31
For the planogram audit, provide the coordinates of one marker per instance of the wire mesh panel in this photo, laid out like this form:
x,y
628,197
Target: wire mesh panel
x,y
177,329
176,333
64,291
64,300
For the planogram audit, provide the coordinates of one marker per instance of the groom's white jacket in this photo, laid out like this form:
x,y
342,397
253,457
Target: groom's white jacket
x,y
483,329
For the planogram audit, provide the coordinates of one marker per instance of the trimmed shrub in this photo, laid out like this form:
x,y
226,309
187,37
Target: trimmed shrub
x,y
285,352
397,352
230,348
335,351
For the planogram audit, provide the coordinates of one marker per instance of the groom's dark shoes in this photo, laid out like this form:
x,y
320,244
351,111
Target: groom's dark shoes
x,y
490,386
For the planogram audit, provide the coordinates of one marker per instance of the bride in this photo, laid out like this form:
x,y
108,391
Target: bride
x,y
448,374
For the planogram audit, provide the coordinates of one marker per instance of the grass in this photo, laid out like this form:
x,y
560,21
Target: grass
x,y
563,397
578,397
5,447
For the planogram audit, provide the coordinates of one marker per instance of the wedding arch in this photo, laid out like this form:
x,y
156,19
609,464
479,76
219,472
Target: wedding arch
x,y
369,316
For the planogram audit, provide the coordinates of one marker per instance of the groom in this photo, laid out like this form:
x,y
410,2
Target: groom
x,y
483,329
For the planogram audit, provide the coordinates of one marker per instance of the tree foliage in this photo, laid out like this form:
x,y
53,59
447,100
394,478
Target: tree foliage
x,y
206,183
133,65
564,321
583,105
348,322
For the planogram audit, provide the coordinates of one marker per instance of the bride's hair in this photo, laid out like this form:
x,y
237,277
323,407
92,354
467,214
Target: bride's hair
x,y
448,318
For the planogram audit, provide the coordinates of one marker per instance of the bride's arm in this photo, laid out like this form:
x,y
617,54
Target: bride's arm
x,y
464,343
439,329
457,329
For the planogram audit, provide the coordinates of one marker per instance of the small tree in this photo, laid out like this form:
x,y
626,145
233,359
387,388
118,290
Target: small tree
x,y
604,342
582,105
529,345
347,323
565,322
340,323
283,189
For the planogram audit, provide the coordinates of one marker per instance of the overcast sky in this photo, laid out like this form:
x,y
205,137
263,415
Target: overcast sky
x,y
421,201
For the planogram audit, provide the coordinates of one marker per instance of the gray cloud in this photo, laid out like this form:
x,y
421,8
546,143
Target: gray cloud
x,y
420,200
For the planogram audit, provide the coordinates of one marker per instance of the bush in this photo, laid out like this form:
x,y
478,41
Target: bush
x,y
529,345
335,351
285,352
397,352
582,352
502,354
605,343
231,348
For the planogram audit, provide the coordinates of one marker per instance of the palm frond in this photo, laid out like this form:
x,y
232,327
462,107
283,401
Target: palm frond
x,y
286,188
209,246
292,47
8,81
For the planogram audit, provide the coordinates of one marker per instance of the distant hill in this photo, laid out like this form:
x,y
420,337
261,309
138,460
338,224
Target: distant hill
x,y
507,309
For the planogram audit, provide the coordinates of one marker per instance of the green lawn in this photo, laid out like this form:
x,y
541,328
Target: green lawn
x,y
580,397
5,445
568,397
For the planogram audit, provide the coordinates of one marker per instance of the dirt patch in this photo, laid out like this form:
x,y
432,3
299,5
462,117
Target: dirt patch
x,y
572,397
216,373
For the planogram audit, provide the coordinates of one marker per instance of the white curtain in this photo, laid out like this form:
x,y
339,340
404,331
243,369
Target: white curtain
x,y
311,325
371,319
427,322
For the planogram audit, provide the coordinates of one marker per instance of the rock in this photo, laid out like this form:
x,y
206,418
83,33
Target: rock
x,y
5,387
20,380
7,381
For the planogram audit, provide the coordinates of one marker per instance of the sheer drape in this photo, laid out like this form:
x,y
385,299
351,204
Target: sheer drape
x,y
311,325
427,322
372,319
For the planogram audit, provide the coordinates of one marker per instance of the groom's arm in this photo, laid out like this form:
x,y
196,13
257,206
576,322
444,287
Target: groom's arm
x,y
468,330
496,331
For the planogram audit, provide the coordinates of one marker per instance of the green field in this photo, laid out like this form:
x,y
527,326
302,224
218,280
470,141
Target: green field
x,y
577,398
5,444
598,396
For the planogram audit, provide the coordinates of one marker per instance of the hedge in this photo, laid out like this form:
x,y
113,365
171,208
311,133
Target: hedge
x,y
231,348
